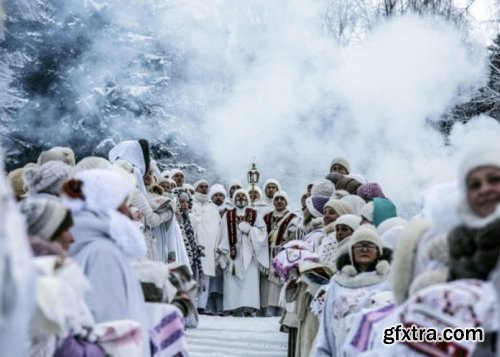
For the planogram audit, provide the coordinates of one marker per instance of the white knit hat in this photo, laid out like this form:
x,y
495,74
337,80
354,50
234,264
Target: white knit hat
x,y
166,173
341,161
43,217
350,220
323,187
272,181
390,223
217,188
476,157
365,233
281,194
356,202
367,211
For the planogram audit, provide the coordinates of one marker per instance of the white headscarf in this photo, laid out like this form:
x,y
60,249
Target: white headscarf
x,y
131,151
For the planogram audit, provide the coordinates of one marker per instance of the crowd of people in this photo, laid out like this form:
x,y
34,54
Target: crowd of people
x,y
119,250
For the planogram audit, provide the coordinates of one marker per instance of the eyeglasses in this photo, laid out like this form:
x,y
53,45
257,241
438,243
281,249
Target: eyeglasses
x,y
364,246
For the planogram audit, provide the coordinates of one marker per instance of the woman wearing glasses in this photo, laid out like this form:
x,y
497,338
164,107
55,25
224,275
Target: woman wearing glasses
x,y
363,269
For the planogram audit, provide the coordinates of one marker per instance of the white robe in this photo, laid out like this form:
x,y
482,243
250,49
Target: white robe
x,y
205,219
241,275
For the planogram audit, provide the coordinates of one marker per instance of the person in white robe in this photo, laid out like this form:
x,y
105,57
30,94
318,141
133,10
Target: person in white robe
x,y
271,186
281,227
205,219
242,250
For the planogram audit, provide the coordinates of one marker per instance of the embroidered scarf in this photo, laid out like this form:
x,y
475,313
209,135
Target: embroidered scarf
x,y
283,223
191,246
232,221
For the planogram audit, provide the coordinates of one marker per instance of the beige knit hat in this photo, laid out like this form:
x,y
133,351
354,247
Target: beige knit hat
x,y
15,178
365,233
341,161
341,207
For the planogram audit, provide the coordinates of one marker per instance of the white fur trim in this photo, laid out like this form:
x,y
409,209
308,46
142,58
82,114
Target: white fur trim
x,y
404,257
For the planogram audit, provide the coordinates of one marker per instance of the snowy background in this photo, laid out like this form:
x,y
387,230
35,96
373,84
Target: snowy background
x,y
290,84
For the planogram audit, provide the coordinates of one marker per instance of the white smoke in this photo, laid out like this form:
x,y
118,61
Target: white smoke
x,y
296,99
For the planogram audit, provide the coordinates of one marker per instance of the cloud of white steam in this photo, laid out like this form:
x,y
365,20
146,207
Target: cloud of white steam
x,y
294,99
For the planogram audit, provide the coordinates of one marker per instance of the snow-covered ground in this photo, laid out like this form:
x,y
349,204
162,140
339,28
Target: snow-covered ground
x,y
237,336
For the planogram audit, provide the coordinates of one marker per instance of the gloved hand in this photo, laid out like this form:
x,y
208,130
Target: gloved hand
x,y
244,227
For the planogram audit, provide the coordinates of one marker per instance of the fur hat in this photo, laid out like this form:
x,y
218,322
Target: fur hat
x,y
165,173
350,220
369,191
103,190
43,217
15,178
365,233
281,194
47,178
323,187
241,190
92,162
217,188
356,202
316,204
57,153
348,184
341,207
341,161
272,181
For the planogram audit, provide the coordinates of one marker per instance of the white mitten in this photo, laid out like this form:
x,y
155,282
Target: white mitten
x,y
244,227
